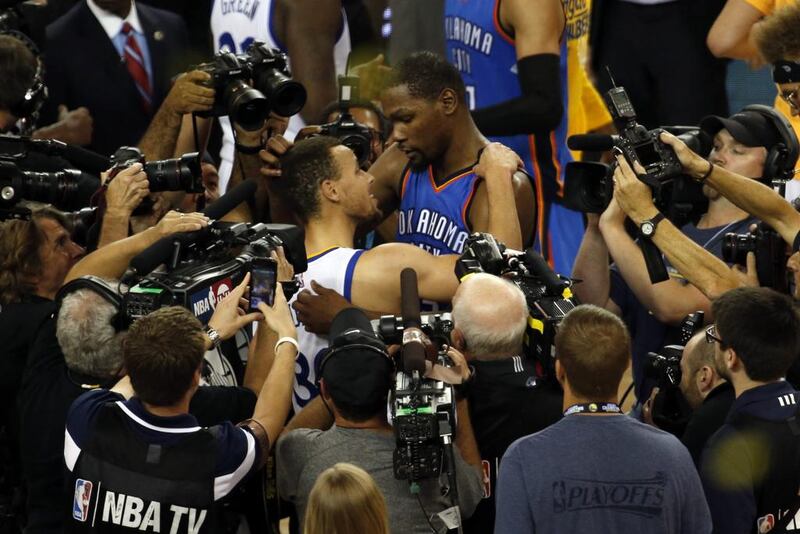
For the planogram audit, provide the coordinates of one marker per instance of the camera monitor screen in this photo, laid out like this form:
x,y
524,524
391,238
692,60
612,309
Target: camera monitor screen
x,y
262,284
647,154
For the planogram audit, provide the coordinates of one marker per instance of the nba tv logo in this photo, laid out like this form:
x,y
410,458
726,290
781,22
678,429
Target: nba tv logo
x,y
83,496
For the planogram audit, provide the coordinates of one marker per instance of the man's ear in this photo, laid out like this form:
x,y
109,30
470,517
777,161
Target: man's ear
x,y
561,374
448,101
704,378
329,189
323,390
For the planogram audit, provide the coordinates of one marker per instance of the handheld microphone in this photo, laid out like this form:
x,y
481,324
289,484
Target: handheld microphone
x,y
591,142
160,251
413,349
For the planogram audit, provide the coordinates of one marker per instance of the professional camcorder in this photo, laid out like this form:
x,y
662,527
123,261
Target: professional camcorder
x,y
770,251
204,266
57,188
549,295
355,136
250,85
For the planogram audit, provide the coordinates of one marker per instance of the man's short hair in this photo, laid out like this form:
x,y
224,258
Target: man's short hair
x,y
594,347
491,313
87,338
17,70
20,263
762,327
426,75
162,352
303,168
777,37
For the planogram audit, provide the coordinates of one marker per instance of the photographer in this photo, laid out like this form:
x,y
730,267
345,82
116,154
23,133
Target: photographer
x,y
355,382
741,143
750,466
708,393
597,469
163,357
706,272
505,400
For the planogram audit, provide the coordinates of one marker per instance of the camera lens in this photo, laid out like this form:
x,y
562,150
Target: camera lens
x,y
178,174
246,106
359,145
57,188
286,96
736,246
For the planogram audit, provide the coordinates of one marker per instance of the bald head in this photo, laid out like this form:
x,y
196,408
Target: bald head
x,y
697,354
491,314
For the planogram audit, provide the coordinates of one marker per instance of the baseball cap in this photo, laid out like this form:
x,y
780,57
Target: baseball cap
x,y
357,369
750,128
786,72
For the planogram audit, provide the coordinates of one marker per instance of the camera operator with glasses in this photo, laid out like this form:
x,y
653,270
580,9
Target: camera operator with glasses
x,y
750,467
742,143
355,378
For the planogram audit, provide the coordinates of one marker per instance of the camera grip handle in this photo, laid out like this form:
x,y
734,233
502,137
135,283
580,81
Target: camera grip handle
x,y
654,261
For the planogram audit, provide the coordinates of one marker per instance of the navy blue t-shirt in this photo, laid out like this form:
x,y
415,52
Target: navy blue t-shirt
x,y
647,333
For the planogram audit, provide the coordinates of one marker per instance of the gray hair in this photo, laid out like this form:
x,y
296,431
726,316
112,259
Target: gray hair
x,y
86,335
491,313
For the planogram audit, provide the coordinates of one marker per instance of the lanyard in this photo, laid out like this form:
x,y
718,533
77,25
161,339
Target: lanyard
x,y
594,407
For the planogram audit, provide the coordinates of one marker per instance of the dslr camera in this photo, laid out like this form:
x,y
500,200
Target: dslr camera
x,y
176,174
770,251
355,136
250,85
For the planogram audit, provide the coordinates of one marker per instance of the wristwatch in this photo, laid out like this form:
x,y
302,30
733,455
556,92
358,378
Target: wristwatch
x,y
648,228
213,335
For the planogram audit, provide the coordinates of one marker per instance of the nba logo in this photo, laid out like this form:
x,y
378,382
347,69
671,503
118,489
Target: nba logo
x,y
80,504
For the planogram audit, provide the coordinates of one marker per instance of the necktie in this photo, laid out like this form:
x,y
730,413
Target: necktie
x,y
134,60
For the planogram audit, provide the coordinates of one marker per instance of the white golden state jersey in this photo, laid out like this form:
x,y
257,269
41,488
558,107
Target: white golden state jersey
x,y
235,24
332,268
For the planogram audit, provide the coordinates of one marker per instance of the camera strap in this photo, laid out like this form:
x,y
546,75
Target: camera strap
x,y
593,407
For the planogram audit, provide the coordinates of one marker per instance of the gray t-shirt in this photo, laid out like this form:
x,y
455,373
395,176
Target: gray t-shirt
x,y
600,474
305,453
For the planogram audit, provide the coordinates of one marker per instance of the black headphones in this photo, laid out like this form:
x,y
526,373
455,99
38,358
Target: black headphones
x,y
353,338
102,288
36,93
782,156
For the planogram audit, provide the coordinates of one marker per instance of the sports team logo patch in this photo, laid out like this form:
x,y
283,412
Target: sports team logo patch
x,y
766,523
83,496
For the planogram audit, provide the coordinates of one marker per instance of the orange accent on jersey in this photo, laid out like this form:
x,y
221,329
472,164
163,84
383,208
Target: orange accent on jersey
x,y
405,182
440,188
497,24
466,204
537,173
556,164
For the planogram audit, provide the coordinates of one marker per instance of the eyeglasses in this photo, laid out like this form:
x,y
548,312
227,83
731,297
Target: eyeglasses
x,y
711,335
790,97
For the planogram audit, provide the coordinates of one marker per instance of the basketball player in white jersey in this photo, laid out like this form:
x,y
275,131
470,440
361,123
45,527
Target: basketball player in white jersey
x,y
313,33
322,182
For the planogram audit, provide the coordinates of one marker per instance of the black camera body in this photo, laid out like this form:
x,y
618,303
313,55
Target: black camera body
x,y
770,251
548,295
176,174
354,135
211,266
250,85
665,367
637,143
57,188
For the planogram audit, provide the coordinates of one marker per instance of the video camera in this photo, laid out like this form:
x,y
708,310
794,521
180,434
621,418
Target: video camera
x,y
355,136
250,85
770,251
205,266
57,188
548,295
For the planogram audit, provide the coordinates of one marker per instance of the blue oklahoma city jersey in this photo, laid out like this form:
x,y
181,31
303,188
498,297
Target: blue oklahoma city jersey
x,y
435,217
485,55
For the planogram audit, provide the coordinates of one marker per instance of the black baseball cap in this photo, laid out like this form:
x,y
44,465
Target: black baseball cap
x,y
786,72
750,128
357,369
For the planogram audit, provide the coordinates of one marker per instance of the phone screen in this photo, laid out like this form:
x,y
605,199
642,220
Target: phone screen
x,y
262,284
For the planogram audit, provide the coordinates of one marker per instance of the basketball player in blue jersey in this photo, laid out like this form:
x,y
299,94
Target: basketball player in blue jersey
x,y
512,57
324,186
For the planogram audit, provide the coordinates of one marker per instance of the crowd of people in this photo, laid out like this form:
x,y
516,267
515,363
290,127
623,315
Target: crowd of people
x,y
208,215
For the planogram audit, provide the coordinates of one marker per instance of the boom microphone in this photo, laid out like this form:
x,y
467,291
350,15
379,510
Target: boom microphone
x,y
591,142
413,349
160,251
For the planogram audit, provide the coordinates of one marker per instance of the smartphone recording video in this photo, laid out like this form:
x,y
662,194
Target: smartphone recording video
x,y
263,279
